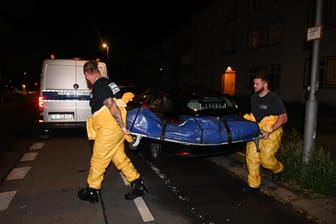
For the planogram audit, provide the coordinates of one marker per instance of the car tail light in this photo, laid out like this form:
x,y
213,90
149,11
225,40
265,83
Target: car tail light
x,y
41,103
183,153
175,121
146,106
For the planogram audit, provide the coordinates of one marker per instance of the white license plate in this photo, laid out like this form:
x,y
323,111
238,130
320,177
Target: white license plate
x,y
54,117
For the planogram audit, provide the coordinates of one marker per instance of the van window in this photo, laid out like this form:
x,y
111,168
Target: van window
x,y
62,77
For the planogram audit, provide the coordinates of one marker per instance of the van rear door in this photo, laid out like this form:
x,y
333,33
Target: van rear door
x,y
65,92
83,94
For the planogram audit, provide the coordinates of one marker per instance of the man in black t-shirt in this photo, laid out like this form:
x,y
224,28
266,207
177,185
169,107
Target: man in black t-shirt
x,y
108,130
102,89
268,110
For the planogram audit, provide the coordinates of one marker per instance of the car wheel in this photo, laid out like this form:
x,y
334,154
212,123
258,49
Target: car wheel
x,y
154,151
132,146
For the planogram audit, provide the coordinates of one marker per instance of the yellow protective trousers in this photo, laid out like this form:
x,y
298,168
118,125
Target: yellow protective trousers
x,y
108,147
265,156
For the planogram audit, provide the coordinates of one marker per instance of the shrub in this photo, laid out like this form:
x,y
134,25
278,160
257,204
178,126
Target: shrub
x,y
318,176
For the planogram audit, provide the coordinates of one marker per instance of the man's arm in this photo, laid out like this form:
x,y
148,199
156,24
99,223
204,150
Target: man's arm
x,y
115,111
282,119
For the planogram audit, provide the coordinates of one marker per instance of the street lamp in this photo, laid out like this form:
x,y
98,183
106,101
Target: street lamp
x,y
105,45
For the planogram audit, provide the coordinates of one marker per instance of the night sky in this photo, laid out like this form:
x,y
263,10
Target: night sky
x,y
31,30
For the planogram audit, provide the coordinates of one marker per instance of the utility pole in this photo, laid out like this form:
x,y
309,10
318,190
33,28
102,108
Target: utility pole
x,y
312,104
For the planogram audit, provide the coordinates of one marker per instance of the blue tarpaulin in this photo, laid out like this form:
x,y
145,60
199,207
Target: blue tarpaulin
x,y
203,130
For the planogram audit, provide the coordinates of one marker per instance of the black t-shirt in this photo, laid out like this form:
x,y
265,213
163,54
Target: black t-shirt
x,y
102,89
270,104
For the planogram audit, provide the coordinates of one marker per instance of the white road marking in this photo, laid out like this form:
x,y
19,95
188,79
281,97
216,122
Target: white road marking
x,y
38,145
5,199
18,173
146,215
144,211
241,154
175,191
124,179
29,156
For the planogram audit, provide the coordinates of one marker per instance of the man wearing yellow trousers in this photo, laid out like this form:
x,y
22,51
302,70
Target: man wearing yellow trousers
x,y
107,127
268,110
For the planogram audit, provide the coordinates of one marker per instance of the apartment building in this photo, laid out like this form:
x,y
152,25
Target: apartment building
x,y
269,36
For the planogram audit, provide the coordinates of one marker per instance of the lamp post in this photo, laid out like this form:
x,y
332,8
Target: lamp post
x,y
105,45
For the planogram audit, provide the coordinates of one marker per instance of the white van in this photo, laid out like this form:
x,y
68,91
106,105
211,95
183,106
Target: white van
x,y
64,94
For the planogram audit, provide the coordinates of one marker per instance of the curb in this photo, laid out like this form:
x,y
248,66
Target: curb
x,y
320,209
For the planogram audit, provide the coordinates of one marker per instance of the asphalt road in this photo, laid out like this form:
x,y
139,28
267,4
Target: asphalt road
x,y
40,179
44,183
18,115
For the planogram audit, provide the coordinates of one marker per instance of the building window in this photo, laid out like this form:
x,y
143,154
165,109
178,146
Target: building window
x,y
228,46
274,33
205,53
230,11
272,70
329,14
327,73
267,35
255,5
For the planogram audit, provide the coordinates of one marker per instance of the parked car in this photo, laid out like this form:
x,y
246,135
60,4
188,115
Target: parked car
x,y
169,105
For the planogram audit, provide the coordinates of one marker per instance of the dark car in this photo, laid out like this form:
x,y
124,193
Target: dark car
x,y
171,103
168,105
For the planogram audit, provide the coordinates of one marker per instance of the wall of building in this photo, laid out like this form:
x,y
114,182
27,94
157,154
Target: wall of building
x,y
210,32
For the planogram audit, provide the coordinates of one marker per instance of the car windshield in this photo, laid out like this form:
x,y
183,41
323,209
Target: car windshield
x,y
174,103
210,103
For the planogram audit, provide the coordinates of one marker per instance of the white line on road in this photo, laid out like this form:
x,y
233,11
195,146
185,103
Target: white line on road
x,y
144,211
28,156
5,199
146,215
38,145
123,178
241,154
18,173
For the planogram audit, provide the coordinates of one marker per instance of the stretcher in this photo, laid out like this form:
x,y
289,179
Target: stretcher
x,y
191,130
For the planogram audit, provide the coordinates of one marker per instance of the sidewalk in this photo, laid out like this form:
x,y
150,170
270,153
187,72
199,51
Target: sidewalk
x,y
323,210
